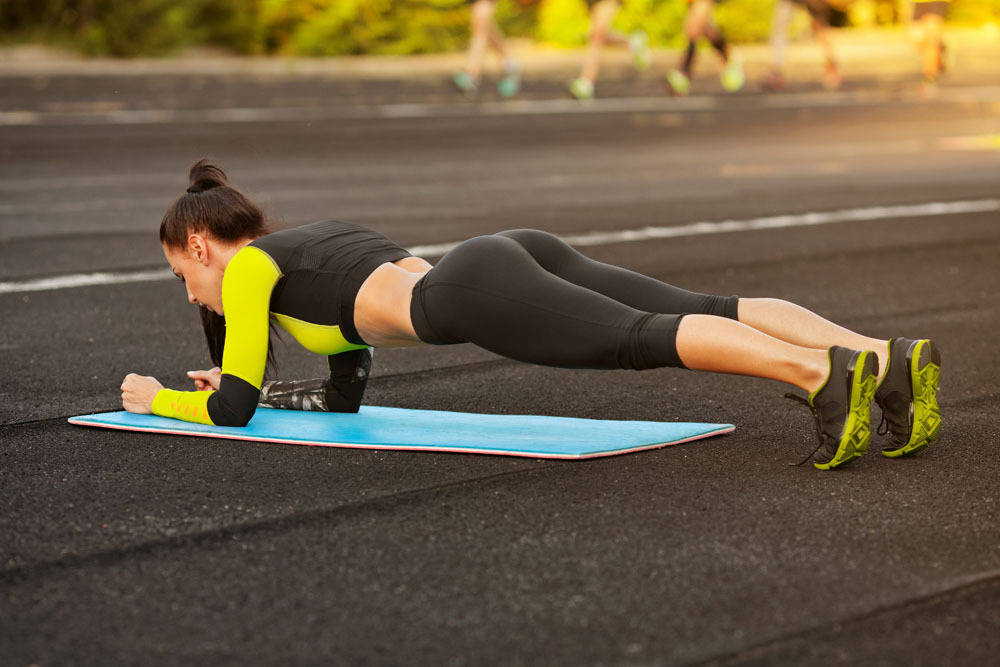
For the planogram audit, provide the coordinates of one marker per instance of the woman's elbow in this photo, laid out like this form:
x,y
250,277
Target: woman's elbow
x,y
338,400
230,415
241,419
343,405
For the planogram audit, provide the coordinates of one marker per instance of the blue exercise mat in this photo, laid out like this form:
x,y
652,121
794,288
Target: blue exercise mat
x,y
431,430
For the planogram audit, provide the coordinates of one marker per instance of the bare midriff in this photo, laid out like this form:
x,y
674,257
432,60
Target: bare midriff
x,y
382,307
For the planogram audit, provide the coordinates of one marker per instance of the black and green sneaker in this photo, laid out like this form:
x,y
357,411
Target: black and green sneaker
x,y
842,407
908,396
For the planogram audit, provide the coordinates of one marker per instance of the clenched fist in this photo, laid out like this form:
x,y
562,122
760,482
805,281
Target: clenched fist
x,y
138,392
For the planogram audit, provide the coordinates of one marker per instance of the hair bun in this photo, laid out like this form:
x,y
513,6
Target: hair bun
x,y
204,176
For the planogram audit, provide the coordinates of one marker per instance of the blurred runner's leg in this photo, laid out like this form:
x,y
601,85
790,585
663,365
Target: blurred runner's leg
x,y
485,33
602,15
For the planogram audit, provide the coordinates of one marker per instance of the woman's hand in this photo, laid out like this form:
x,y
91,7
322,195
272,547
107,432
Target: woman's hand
x,y
138,392
206,380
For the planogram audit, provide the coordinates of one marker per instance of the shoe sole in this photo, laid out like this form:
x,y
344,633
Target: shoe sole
x,y
858,425
924,361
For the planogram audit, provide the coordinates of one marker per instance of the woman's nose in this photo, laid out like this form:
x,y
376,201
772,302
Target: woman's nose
x,y
193,301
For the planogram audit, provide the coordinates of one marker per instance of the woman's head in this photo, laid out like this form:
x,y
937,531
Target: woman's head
x,y
199,233
202,229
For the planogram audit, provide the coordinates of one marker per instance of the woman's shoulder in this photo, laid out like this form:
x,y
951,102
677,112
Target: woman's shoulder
x,y
251,259
320,226
308,232
331,231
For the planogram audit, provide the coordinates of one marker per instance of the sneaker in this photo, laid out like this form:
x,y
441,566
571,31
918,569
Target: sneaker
x,y
582,89
908,396
842,407
679,82
638,46
465,83
511,81
732,76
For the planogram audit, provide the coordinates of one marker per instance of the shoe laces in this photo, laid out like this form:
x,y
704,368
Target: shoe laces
x,y
885,428
819,429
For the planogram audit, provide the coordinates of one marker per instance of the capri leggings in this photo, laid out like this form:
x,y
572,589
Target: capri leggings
x,y
527,295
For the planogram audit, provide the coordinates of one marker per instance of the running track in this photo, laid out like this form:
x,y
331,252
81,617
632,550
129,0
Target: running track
x,y
143,549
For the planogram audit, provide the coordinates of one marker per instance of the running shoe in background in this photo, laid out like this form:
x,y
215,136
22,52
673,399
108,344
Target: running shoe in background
x,y
638,46
582,89
465,83
510,83
679,83
732,76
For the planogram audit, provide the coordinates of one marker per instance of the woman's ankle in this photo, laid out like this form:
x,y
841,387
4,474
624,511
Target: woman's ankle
x,y
811,371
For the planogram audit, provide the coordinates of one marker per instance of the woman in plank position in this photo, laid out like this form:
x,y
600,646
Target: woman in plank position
x,y
340,289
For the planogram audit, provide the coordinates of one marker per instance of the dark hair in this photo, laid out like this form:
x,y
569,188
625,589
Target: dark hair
x,y
214,326
211,206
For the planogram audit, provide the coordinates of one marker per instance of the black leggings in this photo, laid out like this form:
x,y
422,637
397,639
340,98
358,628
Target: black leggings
x,y
527,295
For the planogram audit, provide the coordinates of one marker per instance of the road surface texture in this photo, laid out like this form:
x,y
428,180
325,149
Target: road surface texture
x,y
872,205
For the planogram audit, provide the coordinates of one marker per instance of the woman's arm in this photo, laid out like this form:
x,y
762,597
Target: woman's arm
x,y
246,295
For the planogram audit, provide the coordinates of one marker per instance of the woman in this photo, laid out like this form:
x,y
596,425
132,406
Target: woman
x,y
524,294
698,23
485,32
602,15
825,14
927,27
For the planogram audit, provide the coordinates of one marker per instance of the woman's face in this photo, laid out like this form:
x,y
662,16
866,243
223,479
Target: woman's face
x,y
202,279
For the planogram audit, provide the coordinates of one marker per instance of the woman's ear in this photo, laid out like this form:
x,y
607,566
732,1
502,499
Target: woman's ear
x,y
198,248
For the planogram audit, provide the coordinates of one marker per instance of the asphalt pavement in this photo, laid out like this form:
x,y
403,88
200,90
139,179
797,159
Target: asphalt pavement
x,y
874,206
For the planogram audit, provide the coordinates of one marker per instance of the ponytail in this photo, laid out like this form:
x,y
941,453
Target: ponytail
x,y
211,206
204,175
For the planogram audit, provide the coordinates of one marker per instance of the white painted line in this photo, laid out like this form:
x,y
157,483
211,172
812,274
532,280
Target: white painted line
x,y
84,280
978,94
782,221
306,114
771,222
870,213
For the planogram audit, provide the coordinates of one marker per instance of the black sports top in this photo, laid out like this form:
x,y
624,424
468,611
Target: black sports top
x,y
322,266
305,279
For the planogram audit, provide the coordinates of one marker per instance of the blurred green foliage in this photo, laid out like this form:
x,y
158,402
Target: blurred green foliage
x,y
563,22
745,20
333,27
974,11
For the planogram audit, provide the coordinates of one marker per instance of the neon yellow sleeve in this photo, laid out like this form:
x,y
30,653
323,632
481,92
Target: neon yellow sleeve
x,y
246,300
189,406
